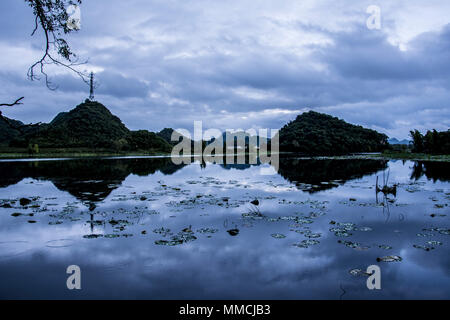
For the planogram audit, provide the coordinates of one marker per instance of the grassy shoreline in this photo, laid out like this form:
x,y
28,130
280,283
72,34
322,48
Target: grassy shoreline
x,y
414,156
73,153
84,153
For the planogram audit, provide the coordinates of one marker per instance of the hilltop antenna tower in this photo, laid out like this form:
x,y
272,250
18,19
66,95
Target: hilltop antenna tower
x,y
91,92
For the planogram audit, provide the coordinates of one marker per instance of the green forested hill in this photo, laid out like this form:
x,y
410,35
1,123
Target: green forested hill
x,y
166,134
11,129
146,140
433,142
8,129
316,133
91,125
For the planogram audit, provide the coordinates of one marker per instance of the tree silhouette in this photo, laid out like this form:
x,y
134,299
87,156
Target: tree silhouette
x,y
433,142
51,17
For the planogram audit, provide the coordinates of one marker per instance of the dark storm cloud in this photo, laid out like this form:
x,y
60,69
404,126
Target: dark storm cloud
x,y
241,65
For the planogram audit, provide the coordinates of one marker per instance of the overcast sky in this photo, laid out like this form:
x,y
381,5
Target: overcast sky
x,y
242,63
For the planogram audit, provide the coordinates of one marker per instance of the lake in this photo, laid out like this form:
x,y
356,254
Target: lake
x,y
145,228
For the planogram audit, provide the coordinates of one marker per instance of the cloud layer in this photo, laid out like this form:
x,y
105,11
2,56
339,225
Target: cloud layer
x,y
243,64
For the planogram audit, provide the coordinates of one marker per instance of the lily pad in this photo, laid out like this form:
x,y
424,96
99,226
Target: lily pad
x,y
389,259
92,236
419,246
306,243
358,272
434,243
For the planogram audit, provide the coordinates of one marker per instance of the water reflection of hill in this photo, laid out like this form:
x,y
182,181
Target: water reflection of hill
x,y
92,180
317,175
87,179
432,170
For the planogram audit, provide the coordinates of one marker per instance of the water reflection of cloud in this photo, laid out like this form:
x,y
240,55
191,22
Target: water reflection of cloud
x,y
252,264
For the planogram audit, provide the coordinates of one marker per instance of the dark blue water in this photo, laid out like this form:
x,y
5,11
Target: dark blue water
x,y
148,229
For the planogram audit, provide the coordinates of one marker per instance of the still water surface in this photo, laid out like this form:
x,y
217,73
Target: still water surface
x,y
148,229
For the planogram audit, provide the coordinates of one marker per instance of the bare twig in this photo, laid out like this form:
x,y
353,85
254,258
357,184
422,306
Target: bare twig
x,y
18,101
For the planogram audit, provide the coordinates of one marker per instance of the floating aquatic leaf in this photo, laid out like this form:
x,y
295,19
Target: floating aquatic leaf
x,y
306,243
389,259
434,243
207,230
303,220
444,231
92,236
111,235
311,242
340,232
350,244
358,272
431,229
253,215
309,233
347,225
313,235
163,231
419,246
316,214
300,245
425,234
168,242
116,222
184,237
127,235
278,235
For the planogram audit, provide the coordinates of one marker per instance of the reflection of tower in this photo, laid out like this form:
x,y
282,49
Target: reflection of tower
x,y
91,92
91,222
92,207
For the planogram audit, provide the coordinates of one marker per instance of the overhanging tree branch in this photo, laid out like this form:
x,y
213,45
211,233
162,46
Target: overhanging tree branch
x,y
18,101
52,18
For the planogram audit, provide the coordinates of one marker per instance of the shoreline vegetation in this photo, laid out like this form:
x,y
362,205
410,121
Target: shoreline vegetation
x,y
19,154
91,130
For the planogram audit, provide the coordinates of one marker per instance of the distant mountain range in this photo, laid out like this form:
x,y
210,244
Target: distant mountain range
x,y
92,126
396,141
